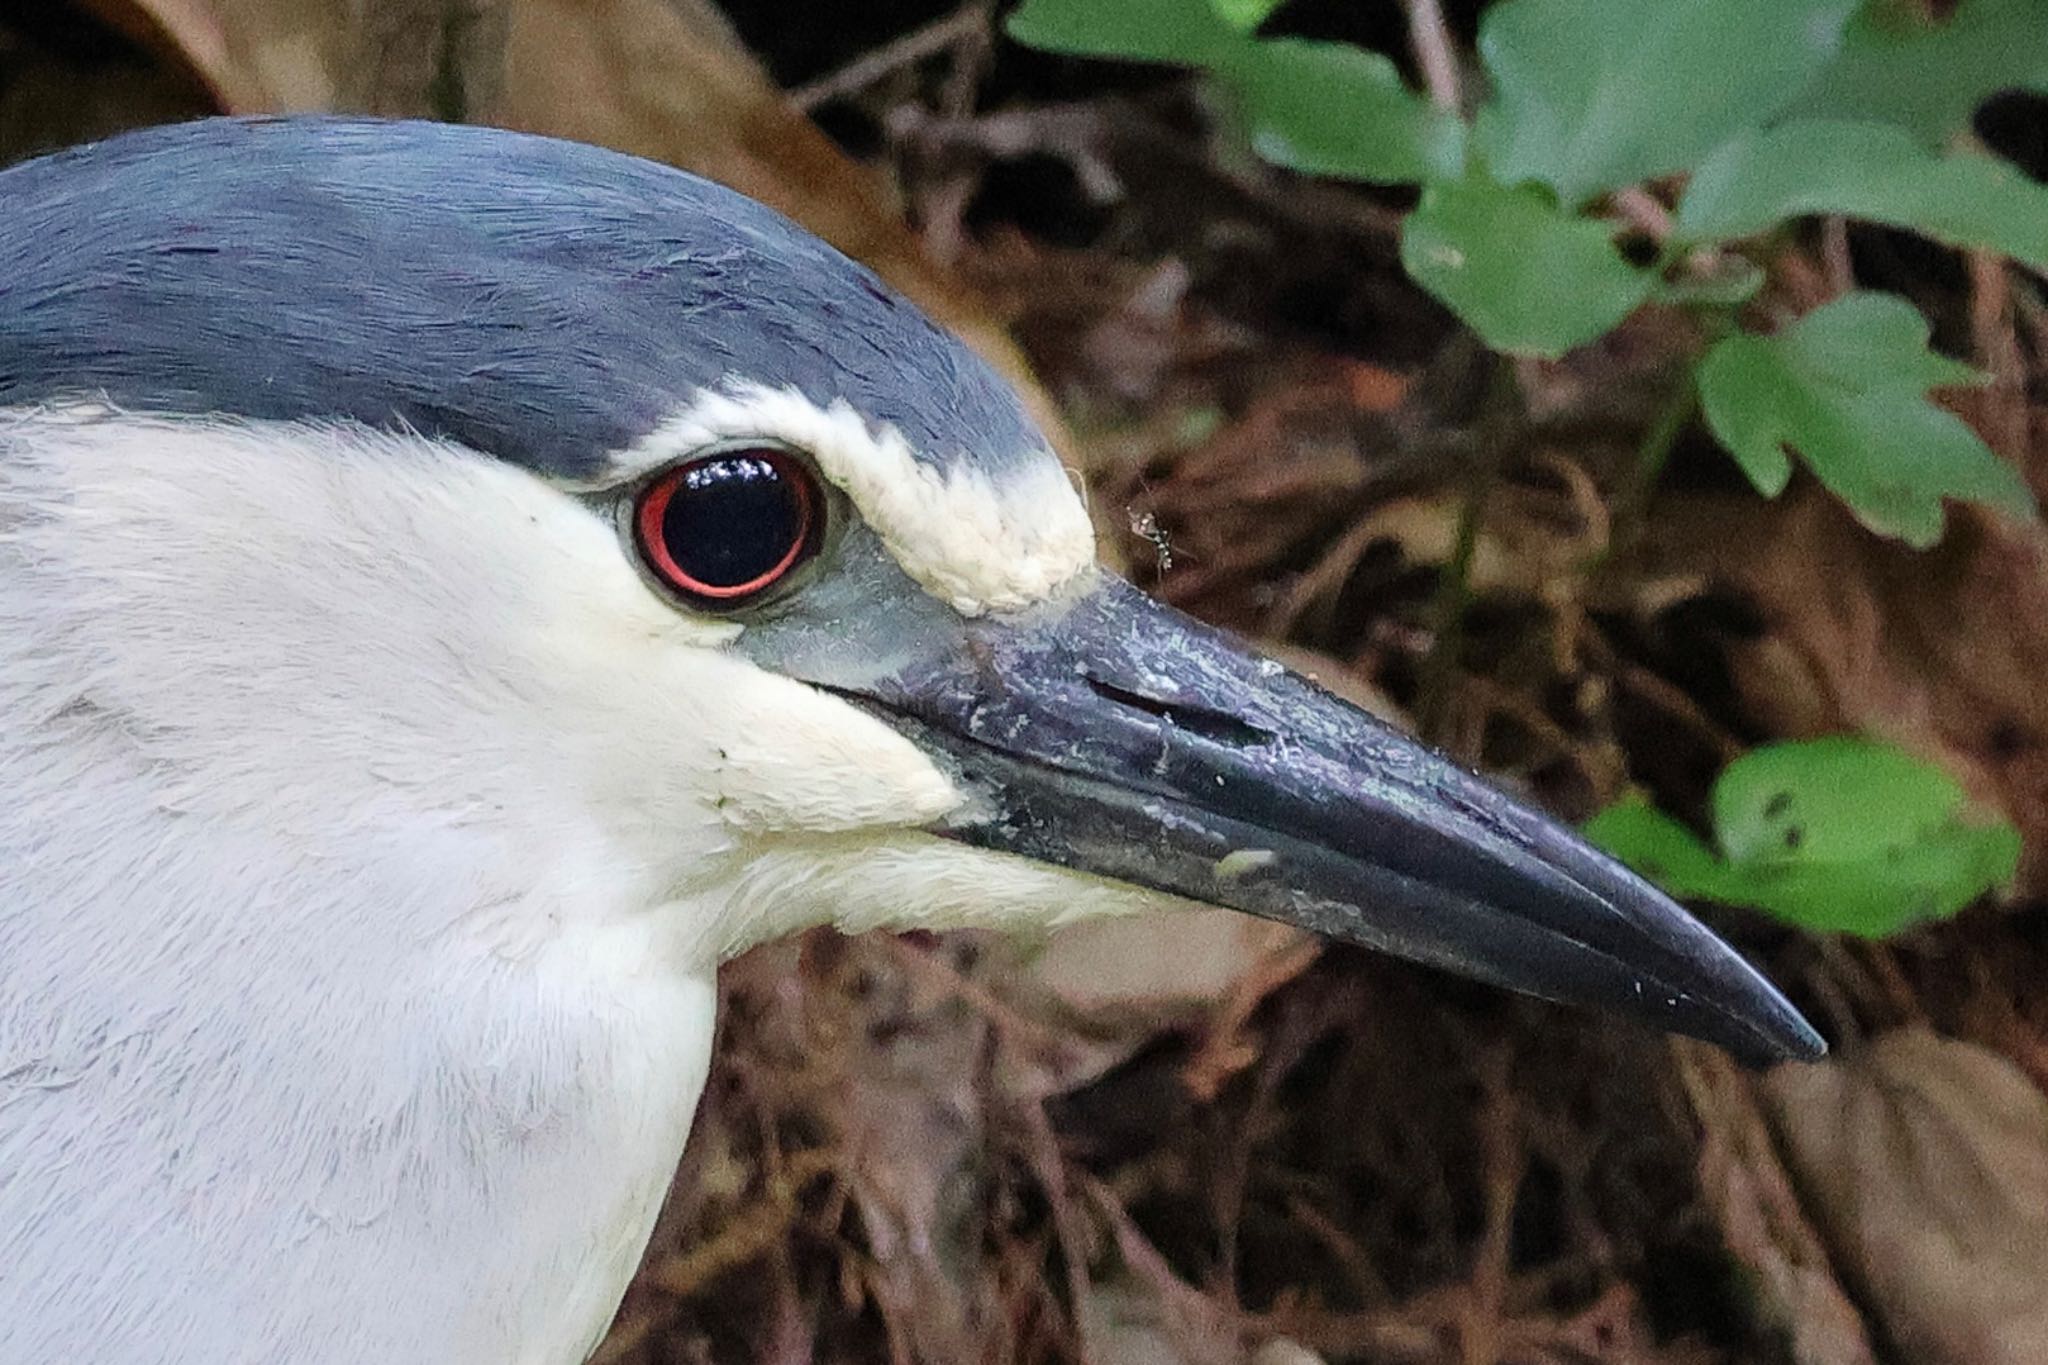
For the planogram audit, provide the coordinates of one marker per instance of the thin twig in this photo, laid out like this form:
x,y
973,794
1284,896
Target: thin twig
x,y
1644,212
1343,1248
913,47
1434,53
1837,261
1500,417
1203,1328
1043,1040
746,1234
1994,334
1042,1150
1505,1160
972,56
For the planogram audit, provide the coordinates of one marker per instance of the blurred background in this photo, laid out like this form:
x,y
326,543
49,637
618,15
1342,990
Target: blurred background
x,y
1645,401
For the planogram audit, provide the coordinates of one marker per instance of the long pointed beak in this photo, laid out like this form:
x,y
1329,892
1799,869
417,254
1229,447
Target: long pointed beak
x,y
1115,736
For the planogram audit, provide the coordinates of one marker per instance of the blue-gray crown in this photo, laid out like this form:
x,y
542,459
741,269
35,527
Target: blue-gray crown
x,y
541,300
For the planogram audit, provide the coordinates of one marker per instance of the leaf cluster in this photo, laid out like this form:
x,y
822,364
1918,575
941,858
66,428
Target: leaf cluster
x,y
1773,109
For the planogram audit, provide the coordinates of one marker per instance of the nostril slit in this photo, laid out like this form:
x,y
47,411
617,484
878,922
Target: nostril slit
x,y
1217,726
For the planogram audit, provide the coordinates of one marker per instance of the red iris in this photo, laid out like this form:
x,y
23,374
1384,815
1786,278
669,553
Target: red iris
x,y
722,529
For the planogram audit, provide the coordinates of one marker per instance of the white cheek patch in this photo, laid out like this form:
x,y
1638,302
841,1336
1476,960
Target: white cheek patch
x,y
299,616
792,759
975,544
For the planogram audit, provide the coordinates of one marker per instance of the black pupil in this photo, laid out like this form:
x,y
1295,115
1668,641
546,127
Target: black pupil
x,y
731,519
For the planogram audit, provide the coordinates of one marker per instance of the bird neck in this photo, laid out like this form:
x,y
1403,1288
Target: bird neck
x,y
454,1089
315,980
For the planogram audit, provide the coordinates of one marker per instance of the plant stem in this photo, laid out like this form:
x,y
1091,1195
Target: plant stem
x,y
1434,53
1653,452
1632,500
1498,421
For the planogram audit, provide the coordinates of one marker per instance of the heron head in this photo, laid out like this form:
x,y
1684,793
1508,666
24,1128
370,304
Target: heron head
x,y
406,473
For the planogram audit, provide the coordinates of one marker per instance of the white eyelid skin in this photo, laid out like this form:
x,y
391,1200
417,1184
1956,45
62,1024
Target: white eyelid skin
x,y
976,544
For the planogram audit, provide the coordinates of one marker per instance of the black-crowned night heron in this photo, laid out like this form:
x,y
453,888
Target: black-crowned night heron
x,y
456,588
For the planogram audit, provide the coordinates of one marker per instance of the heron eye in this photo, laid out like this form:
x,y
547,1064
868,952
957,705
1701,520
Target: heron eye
x,y
722,529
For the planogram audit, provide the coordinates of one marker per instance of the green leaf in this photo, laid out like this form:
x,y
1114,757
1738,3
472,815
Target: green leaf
x,y
1840,834
1927,880
1189,32
1865,170
1833,800
1851,835
1244,15
1661,849
1322,108
1897,67
1525,275
1846,387
1590,95
1334,109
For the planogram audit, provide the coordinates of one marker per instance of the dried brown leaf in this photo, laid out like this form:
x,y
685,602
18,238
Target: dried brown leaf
x,y
429,58
1925,1159
1158,965
1751,1196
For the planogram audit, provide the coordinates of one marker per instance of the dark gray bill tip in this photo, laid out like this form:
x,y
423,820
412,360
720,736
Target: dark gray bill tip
x,y
1595,932
1762,1030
